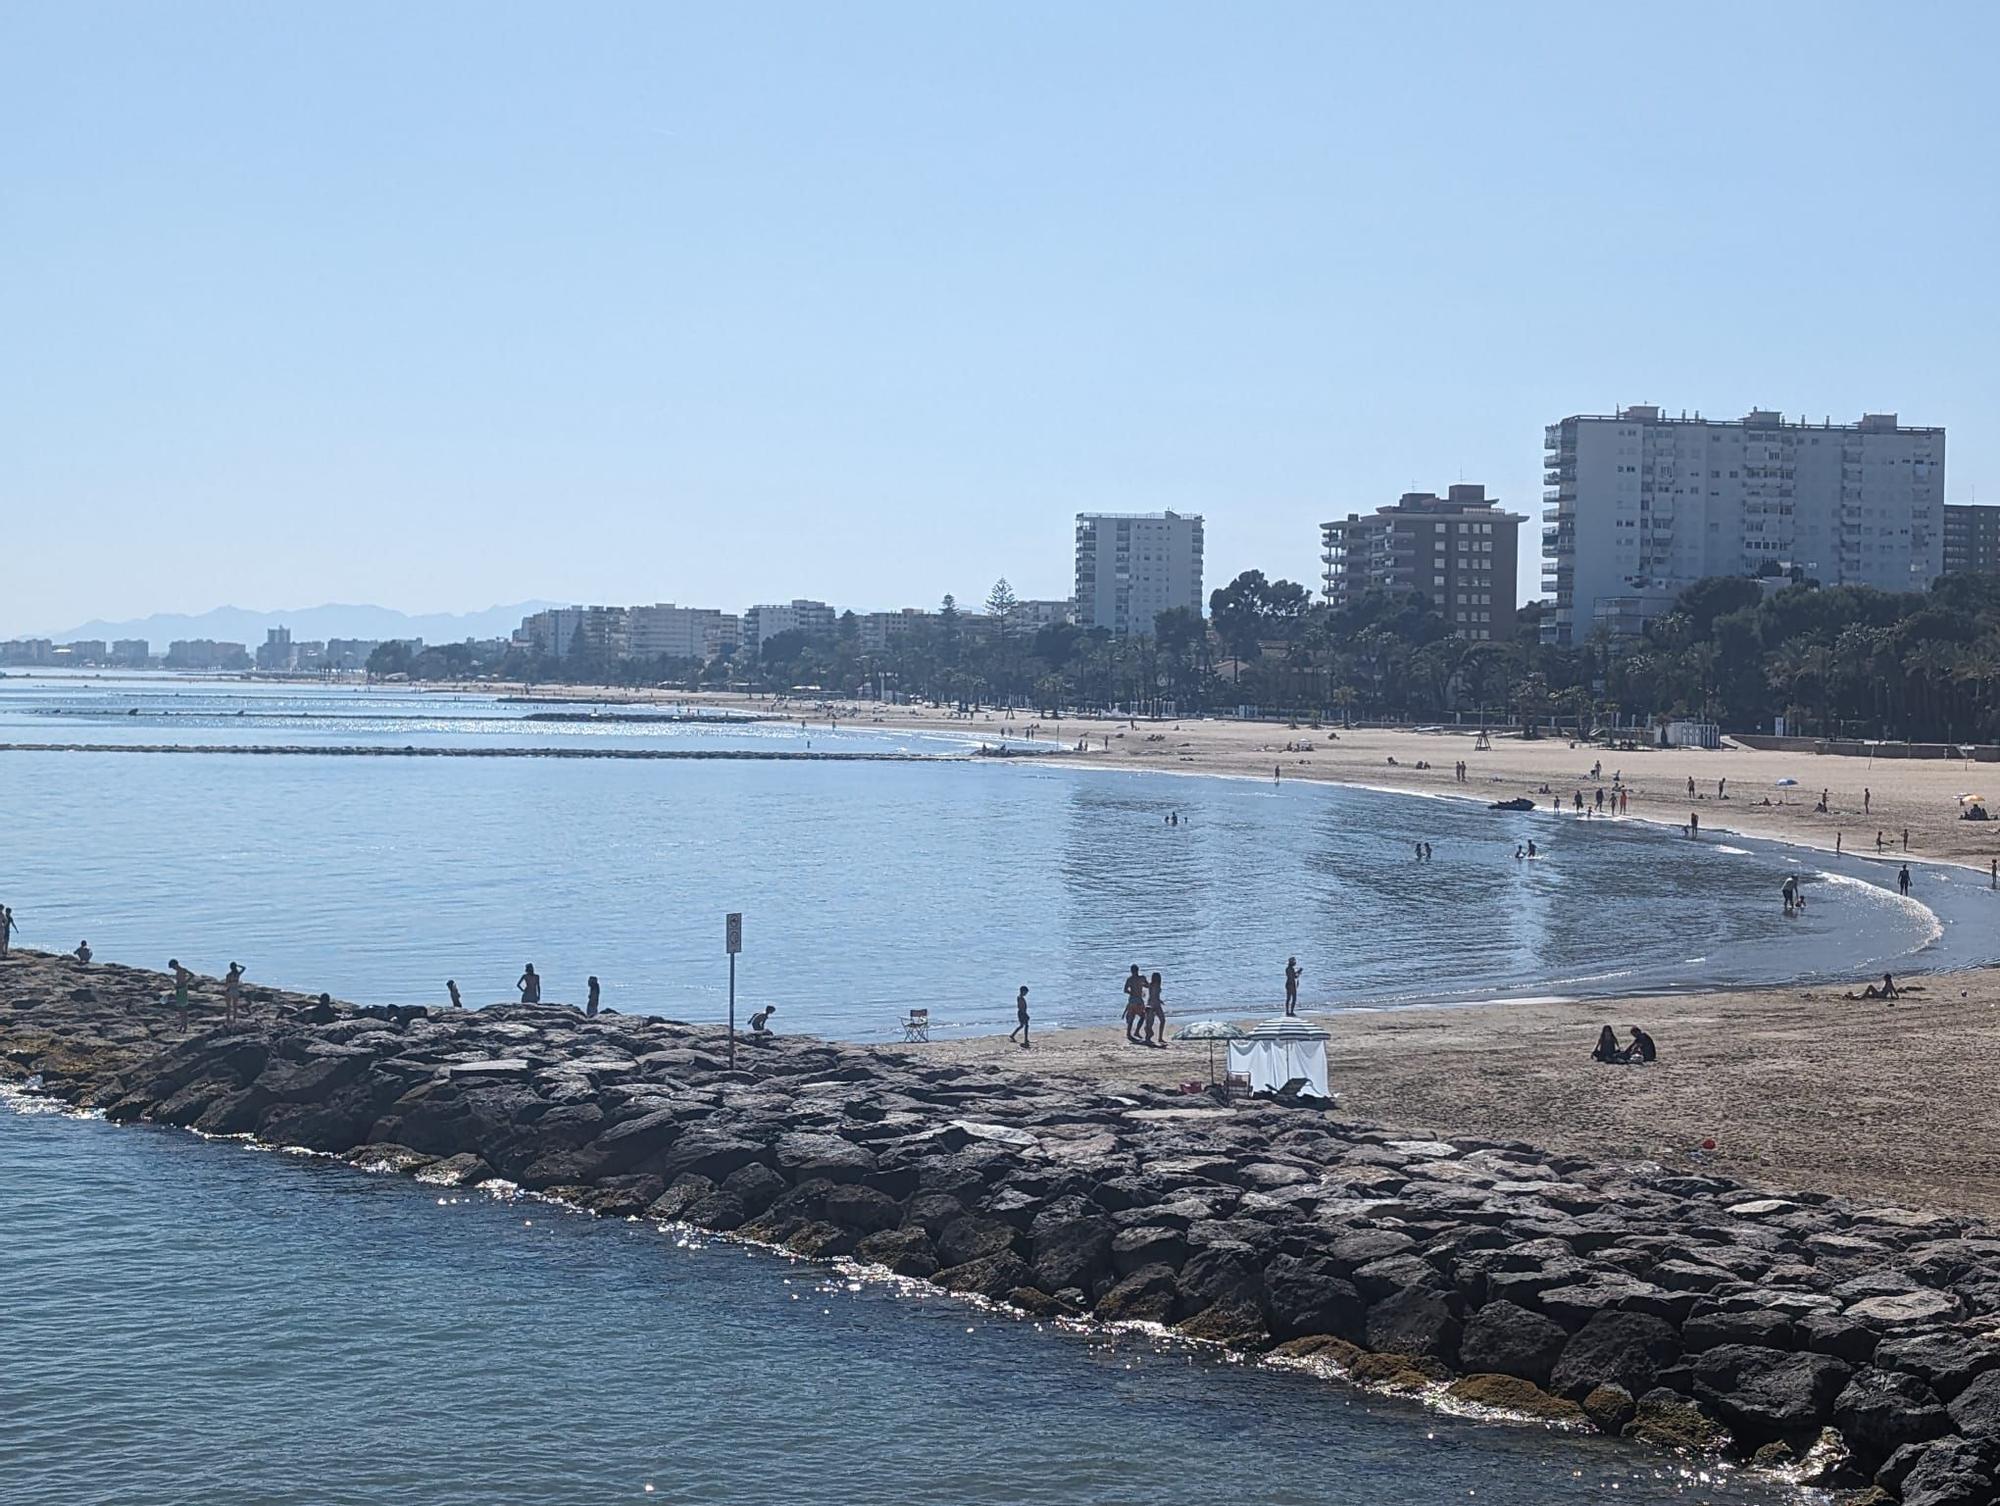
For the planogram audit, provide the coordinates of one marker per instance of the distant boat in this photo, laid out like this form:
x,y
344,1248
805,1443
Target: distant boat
x,y
1518,803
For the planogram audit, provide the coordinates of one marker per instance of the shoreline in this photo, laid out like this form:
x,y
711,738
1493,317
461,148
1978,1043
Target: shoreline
x,y
1690,1311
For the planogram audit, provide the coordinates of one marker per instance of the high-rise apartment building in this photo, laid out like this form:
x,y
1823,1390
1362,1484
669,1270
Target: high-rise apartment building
x,y
1130,567
1641,506
670,632
562,631
1971,539
813,618
1460,550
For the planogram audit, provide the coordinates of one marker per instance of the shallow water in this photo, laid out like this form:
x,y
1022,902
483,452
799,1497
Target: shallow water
x,y
869,889
188,1322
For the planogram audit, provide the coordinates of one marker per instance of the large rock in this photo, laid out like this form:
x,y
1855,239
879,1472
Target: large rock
x,y
1881,1410
625,1145
1417,1321
1516,1397
1952,1472
1146,1295
863,1208
1976,1409
1947,1360
804,1156
1616,1348
1768,1395
1304,1295
1134,1249
1071,1252
994,1276
1666,1419
906,1251
967,1238
710,1153
1504,1338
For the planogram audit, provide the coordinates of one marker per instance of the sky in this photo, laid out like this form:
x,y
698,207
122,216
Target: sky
x,y
441,305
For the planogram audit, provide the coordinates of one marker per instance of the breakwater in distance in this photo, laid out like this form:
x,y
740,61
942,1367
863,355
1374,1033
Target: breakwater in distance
x,y
1680,1311
364,750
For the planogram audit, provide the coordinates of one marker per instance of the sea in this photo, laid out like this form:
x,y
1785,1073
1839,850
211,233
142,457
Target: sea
x,y
187,1321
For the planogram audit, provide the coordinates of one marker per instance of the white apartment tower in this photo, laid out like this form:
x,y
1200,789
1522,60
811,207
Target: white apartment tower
x,y
1640,506
1130,567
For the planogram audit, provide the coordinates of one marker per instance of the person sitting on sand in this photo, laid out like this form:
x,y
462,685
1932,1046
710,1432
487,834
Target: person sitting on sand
x,y
760,1022
1156,1015
83,954
1608,1049
1888,990
530,984
1642,1048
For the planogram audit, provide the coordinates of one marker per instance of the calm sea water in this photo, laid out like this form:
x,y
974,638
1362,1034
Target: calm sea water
x,y
194,1324
868,889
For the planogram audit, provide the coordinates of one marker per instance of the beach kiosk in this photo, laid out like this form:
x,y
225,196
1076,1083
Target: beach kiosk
x,y
1280,1051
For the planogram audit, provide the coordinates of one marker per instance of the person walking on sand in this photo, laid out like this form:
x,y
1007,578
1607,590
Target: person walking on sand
x,y
1903,880
1291,985
530,984
590,1007
232,992
1135,1003
182,978
1020,1030
451,987
1156,1014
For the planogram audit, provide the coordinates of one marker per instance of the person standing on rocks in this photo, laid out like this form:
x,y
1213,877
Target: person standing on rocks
x,y
182,979
232,992
1292,985
1020,1030
1135,1003
451,987
530,984
590,1008
6,929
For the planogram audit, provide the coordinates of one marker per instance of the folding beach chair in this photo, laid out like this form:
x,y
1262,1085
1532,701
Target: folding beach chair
x,y
918,1026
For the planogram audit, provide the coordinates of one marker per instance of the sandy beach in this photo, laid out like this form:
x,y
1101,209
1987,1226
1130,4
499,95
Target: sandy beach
x,y
1732,785
1802,1088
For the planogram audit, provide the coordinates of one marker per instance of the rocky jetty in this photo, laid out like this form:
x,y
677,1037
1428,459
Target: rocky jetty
x,y
1682,1311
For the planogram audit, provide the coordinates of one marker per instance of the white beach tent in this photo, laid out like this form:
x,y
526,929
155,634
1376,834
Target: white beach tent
x,y
1281,1051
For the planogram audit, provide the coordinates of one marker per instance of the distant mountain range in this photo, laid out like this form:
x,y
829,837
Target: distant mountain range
x,y
242,625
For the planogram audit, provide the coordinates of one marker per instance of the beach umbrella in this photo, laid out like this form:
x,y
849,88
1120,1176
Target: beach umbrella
x,y
1971,799
1785,784
1210,1031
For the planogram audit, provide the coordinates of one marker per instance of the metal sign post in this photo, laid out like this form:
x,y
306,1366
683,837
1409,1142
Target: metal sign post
x,y
732,940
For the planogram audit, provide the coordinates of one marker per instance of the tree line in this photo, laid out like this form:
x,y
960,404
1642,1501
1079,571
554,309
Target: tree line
x,y
1840,661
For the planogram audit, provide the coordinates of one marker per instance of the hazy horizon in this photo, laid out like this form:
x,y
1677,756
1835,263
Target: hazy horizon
x,y
475,304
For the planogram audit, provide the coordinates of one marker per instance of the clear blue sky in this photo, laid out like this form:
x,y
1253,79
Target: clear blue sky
x,y
443,304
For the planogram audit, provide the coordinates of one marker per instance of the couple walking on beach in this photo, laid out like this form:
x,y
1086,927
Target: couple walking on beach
x,y
1145,1014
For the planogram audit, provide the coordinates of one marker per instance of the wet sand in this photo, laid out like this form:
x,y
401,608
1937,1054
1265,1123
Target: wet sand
x,y
1798,1088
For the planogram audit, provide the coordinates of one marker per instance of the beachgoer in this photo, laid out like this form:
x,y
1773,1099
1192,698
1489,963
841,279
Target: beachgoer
x,y
1720,786
182,978
1836,844
1608,1049
451,987
1694,823
1903,878
1156,1014
1867,799
1020,1029
590,1007
83,953
1642,1048
1427,852
1906,839
1690,796
1790,889
232,992
1519,852
760,1022
530,984
1420,851
6,928
1291,985
1531,849
1878,841
1624,801
1888,990
1135,1003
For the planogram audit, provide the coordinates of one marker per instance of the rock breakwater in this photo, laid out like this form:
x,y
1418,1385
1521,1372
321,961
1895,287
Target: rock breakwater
x,y
1681,1311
